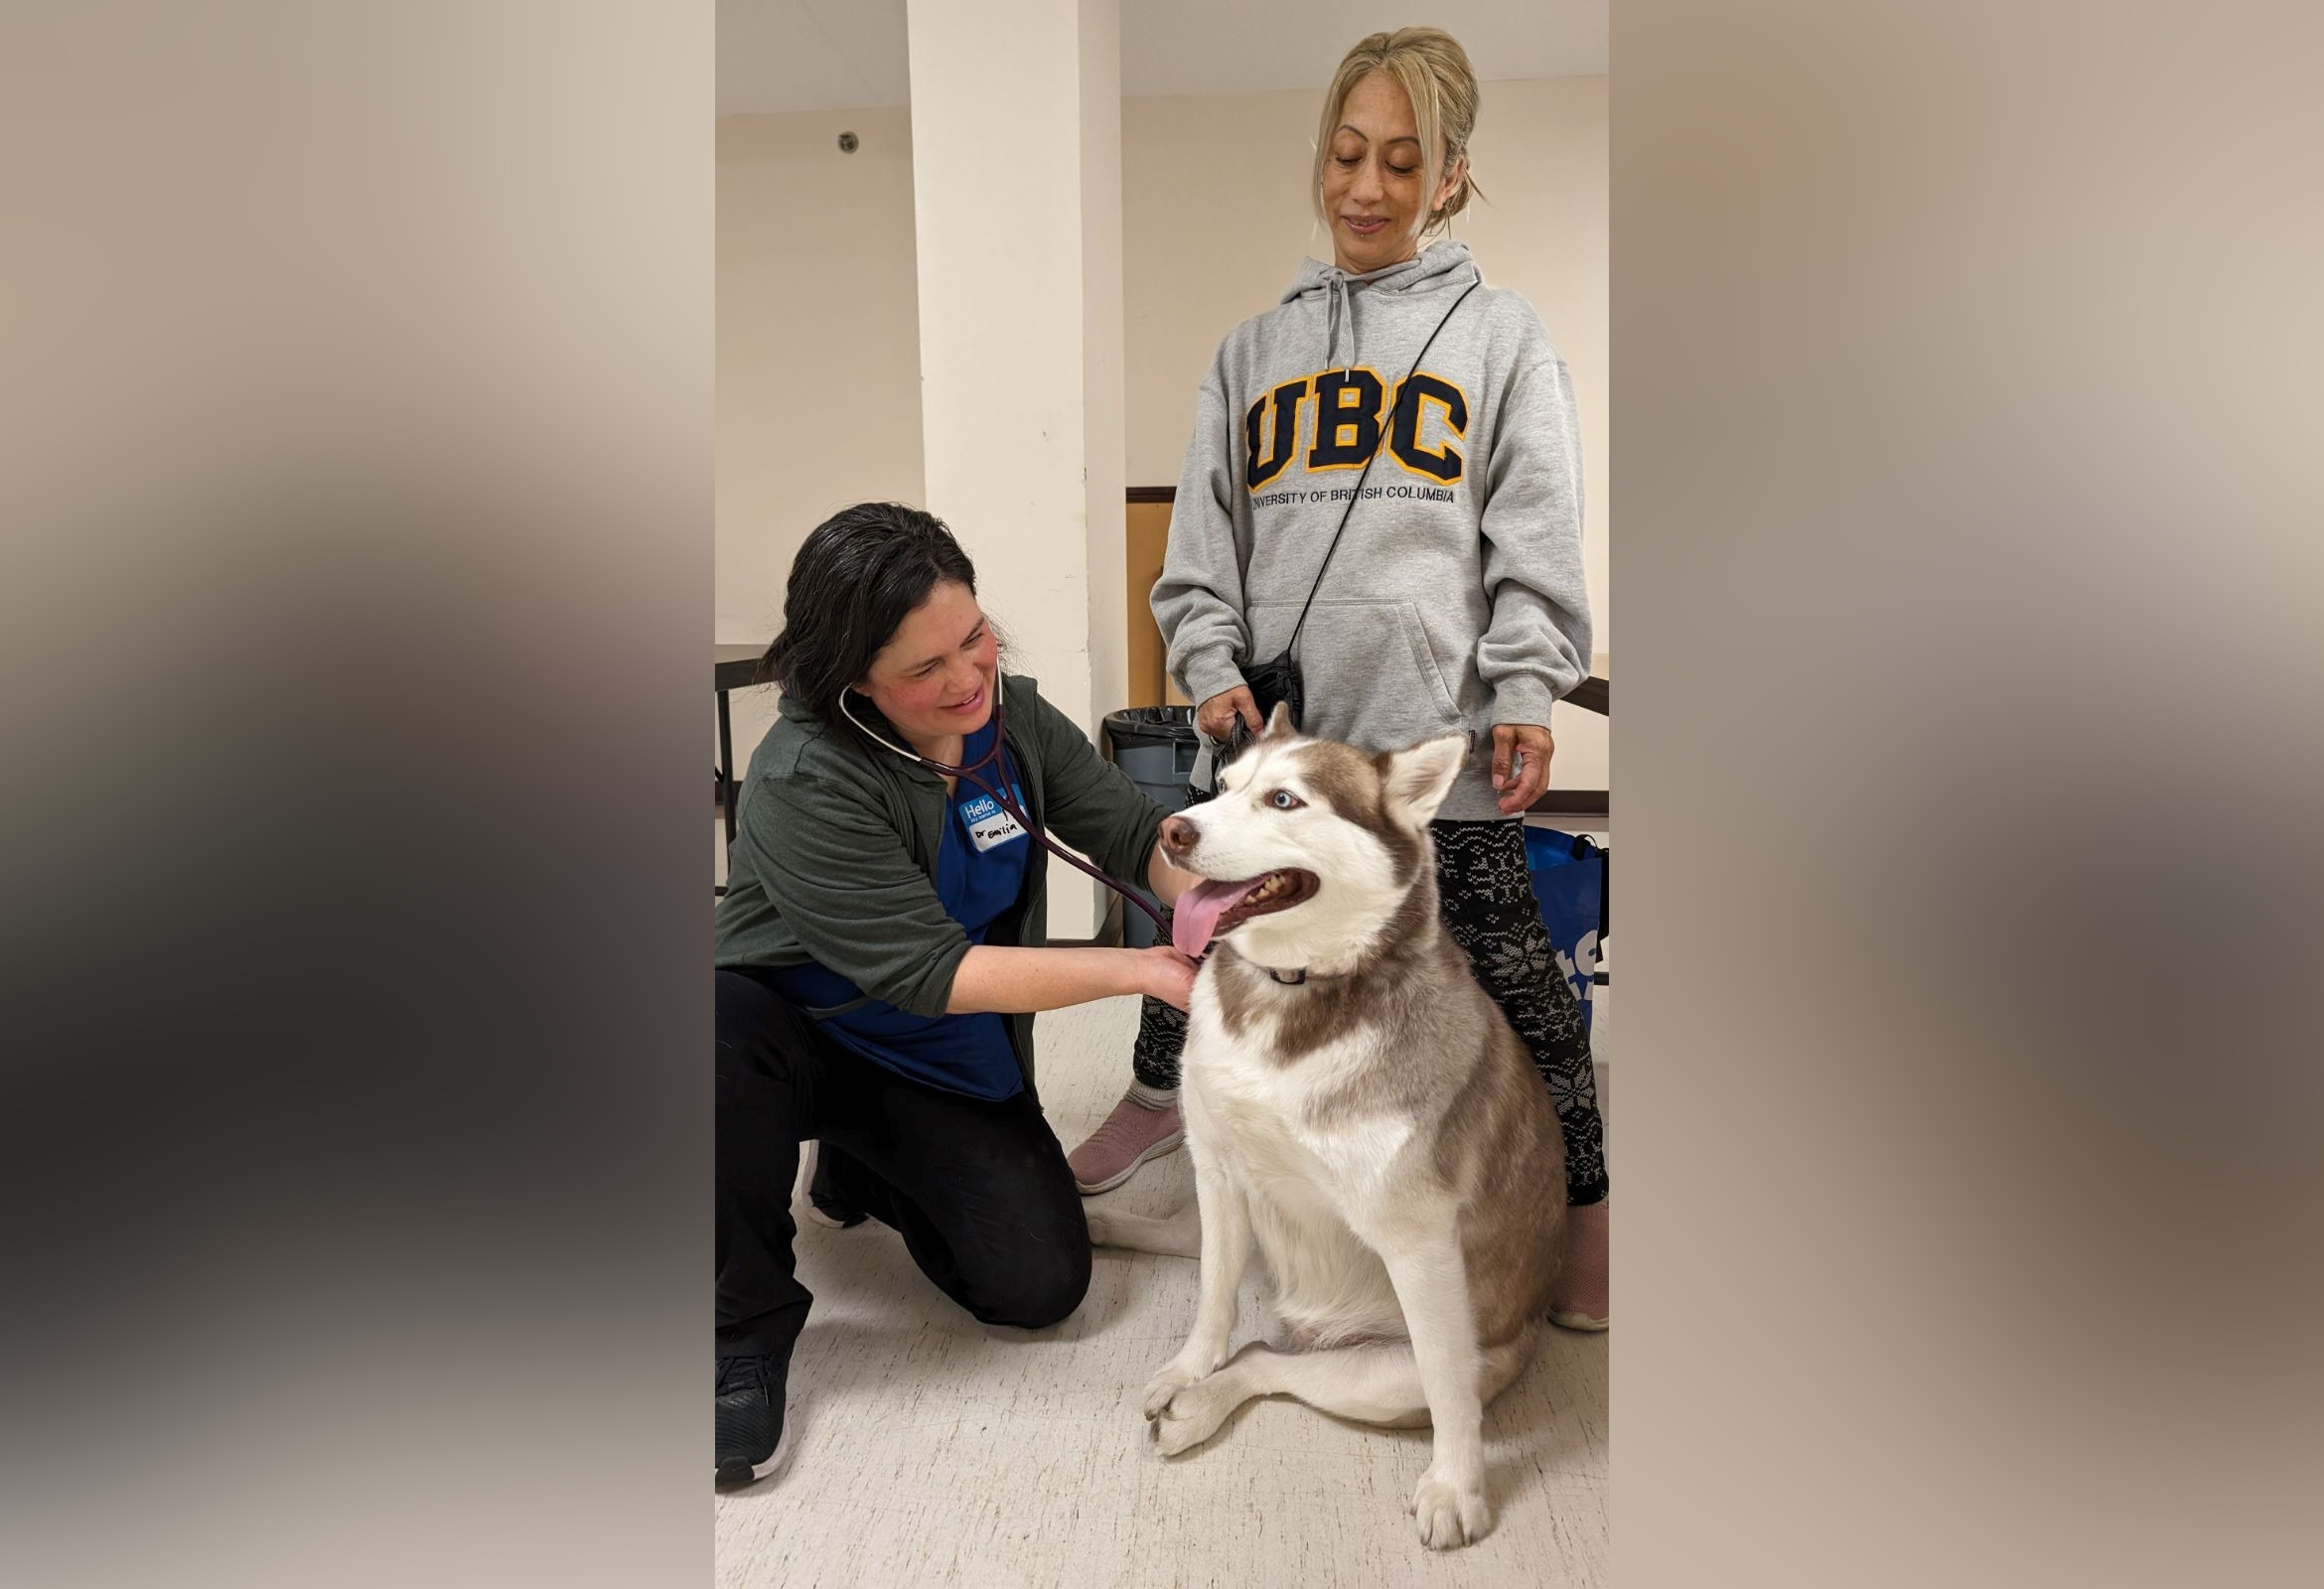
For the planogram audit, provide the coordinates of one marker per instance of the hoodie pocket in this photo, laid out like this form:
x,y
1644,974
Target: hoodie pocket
x,y
1372,678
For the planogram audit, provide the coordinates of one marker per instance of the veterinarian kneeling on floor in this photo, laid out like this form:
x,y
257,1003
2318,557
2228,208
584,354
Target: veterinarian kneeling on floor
x,y
881,949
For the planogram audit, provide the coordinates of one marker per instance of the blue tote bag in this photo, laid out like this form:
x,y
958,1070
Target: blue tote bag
x,y
1570,880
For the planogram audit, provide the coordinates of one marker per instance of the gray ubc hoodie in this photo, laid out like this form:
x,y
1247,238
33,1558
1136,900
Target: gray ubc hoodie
x,y
1455,599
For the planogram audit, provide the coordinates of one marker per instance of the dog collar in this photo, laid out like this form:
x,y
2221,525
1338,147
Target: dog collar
x,y
1293,980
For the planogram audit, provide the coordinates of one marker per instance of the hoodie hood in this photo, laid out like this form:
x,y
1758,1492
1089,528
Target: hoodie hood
x,y
1440,264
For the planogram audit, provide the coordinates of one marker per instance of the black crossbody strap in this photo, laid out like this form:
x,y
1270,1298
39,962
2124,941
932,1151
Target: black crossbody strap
x,y
1386,424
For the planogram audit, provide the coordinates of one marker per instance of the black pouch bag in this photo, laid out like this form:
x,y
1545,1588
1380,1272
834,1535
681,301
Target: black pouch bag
x,y
1277,683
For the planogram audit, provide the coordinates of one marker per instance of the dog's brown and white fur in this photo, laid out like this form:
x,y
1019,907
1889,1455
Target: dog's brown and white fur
x,y
1375,1130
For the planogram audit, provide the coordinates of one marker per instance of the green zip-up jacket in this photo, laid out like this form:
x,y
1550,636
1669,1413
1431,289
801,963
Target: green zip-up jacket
x,y
834,855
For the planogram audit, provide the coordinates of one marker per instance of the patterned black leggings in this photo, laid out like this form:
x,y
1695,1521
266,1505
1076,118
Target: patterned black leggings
x,y
1487,899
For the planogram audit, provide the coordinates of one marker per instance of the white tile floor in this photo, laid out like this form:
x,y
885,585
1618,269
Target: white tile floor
x,y
932,1450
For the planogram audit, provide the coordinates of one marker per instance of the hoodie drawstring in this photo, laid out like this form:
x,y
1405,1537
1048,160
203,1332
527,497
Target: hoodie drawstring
x,y
1438,260
1341,306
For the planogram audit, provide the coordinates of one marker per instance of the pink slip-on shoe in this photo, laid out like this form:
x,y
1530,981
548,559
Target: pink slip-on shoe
x,y
1131,1134
1578,1301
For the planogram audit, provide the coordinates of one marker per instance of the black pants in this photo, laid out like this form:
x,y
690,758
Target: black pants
x,y
1486,898
979,1191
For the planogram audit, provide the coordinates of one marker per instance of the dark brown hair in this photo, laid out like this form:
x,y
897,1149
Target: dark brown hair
x,y
859,574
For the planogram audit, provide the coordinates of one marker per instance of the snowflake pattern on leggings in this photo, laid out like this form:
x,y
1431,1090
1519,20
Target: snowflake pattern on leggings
x,y
1485,896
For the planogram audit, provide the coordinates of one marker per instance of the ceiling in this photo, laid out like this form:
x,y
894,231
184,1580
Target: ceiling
x,y
834,55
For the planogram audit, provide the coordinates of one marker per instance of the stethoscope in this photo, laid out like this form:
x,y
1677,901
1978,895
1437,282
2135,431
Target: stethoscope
x,y
990,762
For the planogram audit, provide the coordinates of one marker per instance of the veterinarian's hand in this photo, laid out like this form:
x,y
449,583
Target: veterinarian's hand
x,y
1165,880
1529,745
1167,974
1216,716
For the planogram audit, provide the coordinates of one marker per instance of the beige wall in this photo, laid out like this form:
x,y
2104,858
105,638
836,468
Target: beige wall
x,y
816,274
819,351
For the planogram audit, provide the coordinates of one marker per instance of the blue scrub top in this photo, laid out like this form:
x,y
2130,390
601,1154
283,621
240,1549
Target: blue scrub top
x,y
981,871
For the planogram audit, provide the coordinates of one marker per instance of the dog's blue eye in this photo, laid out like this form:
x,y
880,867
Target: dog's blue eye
x,y
1284,800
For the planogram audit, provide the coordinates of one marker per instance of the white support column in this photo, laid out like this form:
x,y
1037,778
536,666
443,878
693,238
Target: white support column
x,y
1016,168
1104,421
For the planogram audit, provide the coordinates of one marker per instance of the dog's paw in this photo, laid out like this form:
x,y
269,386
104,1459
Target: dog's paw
x,y
1450,1512
1175,1377
1192,1414
1101,1226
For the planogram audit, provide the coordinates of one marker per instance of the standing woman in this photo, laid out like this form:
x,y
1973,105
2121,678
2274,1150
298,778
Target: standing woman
x,y
881,949
1454,597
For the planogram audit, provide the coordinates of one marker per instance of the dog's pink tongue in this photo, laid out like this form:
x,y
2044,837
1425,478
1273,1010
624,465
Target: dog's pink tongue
x,y
1196,916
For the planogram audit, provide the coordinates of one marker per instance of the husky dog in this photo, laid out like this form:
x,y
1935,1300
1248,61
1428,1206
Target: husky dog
x,y
1358,1109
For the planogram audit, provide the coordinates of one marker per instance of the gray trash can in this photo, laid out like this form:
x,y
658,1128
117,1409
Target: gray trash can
x,y
1155,746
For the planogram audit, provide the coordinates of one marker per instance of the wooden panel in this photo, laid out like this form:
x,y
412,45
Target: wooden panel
x,y
1149,533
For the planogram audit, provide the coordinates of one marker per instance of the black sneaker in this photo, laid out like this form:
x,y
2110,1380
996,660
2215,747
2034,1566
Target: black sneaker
x,y
749,1417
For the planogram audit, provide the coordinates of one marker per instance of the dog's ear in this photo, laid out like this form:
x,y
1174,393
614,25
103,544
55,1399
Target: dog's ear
x,y
1280,723
1415,783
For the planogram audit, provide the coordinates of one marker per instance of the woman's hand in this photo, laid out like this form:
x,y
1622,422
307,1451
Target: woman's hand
x,y
1166,975
1531,747
1216,716
1165,880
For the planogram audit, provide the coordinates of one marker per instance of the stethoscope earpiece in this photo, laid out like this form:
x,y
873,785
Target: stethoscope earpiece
x,y
861,728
